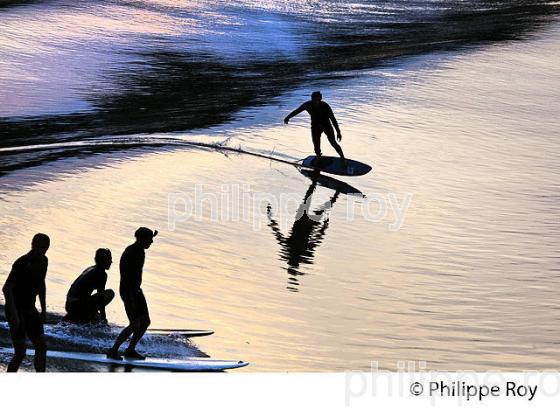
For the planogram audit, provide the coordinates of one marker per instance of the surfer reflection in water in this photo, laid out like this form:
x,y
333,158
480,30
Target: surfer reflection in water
x,y
306,234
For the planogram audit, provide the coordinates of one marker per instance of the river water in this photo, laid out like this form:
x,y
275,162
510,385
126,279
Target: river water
x,y
450,256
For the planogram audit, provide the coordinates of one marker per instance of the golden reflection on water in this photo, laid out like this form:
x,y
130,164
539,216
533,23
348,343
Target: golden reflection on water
x,y
223,275
467,283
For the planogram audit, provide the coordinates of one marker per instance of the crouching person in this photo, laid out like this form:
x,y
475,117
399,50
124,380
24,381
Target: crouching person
x,y
82,304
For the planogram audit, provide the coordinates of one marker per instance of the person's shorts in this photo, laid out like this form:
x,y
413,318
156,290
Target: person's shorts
x,y
135,306
317,130
30,325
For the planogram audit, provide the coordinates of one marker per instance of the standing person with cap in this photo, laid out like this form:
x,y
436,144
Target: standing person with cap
x,y
131,265
25,282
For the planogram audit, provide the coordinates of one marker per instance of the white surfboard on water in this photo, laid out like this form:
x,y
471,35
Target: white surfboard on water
x,y
188,333
176,365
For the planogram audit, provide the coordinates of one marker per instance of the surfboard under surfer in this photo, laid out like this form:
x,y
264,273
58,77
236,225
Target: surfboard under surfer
x,y
321,118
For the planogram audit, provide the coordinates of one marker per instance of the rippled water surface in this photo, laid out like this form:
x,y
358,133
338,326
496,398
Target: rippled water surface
x,y
451,257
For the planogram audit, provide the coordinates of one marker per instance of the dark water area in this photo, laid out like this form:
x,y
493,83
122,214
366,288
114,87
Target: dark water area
x,y
8,3
214,60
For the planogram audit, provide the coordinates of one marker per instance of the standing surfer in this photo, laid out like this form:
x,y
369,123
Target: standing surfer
x,y
321,118
25,282
131,265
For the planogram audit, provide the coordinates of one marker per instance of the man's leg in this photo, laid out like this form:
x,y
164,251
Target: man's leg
x,y
121,338
140,324
113,352
108,296
94,305
330,135
316,138
69,317
83,310
139,327
40,346
19,354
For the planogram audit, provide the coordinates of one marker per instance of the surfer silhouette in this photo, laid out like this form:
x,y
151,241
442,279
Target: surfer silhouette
x,y
25,282
307,233
81,304
131,265
321,118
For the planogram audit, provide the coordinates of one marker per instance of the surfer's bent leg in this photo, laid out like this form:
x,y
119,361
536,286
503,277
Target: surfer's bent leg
x,y
316,137
108,296
19,354
32,326
330,135
40,346
139,327
95,304
139,320
121,338
18,341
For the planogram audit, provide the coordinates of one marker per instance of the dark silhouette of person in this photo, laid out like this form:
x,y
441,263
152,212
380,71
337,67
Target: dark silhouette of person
x,y
25,282
321,118
307,233
82,305
131,265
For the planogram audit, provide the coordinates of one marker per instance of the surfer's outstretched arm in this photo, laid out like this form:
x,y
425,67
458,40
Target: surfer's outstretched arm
x,y
294,113
274,226
43,300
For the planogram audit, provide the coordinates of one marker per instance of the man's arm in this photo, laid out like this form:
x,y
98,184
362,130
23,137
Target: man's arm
x,y
8,290
43,292
274,226
295,112
334,122
101,298
43,300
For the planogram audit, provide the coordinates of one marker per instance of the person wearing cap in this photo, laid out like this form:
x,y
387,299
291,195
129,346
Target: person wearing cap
x,y
82,304
321,118
25,282
131,265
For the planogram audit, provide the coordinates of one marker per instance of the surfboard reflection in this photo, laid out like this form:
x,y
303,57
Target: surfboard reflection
x,y
309,227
